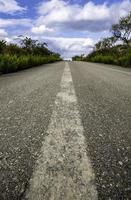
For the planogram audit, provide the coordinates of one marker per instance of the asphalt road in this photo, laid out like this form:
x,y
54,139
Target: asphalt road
x,y
95,102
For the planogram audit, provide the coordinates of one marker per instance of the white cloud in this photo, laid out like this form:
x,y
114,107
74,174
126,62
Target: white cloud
x,y
72,43
15,22
10,6
69,47
8,40
118,10
41,29
91,17
3,33
49,6
93,12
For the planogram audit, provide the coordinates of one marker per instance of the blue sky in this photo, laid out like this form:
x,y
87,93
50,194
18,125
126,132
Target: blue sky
x,y
69,27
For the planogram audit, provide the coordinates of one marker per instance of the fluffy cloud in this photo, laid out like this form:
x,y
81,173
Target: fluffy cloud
x,y
41,29
15,22
91,17
10,6
118,10
62,14
69,47
3,33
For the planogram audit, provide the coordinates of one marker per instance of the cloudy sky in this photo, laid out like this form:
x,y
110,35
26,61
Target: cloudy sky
x,y
69,27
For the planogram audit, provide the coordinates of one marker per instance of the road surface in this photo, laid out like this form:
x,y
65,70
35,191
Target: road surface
x,y
65,133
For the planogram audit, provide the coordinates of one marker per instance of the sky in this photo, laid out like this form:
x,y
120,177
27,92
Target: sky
x,y
70,27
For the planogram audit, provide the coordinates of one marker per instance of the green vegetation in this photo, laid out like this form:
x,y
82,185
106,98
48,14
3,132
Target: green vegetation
x,y
113,50
26,55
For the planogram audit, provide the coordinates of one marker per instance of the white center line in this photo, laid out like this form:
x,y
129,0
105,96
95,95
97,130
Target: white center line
x,y
63,170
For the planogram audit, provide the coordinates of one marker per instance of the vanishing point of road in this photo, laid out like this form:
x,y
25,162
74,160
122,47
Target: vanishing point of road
x,y
65,133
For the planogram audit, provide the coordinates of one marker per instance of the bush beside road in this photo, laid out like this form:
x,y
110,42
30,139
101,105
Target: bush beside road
x,y
28,54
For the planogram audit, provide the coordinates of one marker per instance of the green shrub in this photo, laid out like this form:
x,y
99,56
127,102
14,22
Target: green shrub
x,y
111,57
125,61
103,59
15,63
30,53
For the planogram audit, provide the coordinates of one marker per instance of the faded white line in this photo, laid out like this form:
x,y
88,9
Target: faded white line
x,y
63,170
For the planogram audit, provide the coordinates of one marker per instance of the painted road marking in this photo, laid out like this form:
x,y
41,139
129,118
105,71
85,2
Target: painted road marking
x,y
63,170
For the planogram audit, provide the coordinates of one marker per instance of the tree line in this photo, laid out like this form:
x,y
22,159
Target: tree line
x,y
25,54
115,49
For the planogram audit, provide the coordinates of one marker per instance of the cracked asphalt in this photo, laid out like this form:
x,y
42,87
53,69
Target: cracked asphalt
x,y
104,102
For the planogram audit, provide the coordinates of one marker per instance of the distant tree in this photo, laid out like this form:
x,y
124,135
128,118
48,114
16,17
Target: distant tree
x,y
122,30
78,58
109,42
2,46
14,49
29,44
98,46
41,48
106,43
56,54
34,47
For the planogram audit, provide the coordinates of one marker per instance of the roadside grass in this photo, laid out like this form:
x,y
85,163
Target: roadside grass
x,y
121,60
125,61
26,54
16,63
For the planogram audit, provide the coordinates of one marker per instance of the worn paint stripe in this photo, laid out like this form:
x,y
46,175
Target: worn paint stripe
x,y
63,170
